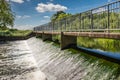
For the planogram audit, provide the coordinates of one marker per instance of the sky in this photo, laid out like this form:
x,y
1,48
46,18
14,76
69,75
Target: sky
x,y
31,13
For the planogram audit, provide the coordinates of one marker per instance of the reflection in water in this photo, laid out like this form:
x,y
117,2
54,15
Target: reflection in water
x,y
18,63
23,60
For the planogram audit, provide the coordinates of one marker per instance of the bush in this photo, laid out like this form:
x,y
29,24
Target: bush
x,y
13,30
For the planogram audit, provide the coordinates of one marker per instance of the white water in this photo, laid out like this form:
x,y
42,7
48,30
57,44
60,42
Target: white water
x,y
62,65
34,59
18,63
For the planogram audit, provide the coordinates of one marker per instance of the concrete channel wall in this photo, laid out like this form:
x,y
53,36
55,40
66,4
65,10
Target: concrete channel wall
x,y
68,41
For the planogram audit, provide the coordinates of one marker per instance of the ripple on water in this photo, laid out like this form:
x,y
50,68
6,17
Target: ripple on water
x,y
18,63
71,65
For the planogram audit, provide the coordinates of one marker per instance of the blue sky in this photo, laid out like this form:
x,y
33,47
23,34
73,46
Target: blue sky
x,y
31,13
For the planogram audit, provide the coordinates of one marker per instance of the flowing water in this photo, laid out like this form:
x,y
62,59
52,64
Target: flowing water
x,y
34,59
18,63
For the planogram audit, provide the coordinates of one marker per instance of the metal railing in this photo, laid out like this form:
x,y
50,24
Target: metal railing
x,y
102,19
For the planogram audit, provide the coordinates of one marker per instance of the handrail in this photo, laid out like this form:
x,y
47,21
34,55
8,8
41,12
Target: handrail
x,y
106,17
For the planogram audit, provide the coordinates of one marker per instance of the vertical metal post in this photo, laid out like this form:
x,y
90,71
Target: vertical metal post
x,y
83,23
50,27
60,25
91,21
65,24
53,26
69,23
80,22
57,26
108,19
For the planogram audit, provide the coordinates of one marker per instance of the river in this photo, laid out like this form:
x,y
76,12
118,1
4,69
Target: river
x,y
34,59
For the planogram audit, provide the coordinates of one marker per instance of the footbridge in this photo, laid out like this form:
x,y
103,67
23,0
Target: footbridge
x,y
101,22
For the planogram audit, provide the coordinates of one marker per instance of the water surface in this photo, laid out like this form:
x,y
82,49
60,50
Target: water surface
x,y
34,59
71,64
18,63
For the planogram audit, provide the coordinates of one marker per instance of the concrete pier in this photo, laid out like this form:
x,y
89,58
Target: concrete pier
x,y
68,41
46,36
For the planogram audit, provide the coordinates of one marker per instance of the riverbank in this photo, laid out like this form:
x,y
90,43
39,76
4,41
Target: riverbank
x,y
14,34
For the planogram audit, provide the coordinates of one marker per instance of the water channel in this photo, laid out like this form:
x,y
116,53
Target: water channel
x,y
34,59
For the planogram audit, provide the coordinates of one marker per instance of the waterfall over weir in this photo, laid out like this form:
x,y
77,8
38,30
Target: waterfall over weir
x,y
68,65
34,59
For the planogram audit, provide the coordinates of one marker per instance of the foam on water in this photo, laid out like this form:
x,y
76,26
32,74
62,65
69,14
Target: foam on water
x,y
18,63
34,59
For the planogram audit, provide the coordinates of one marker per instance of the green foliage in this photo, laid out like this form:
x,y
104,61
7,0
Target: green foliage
x,y
14,32
5,33
84,21
6,15
20,32
59,15
98,43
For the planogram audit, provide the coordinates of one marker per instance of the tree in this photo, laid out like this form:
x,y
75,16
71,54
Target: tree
x,y
6,14
59,15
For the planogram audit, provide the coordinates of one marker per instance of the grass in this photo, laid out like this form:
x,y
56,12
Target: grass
x,y
14,32
111,45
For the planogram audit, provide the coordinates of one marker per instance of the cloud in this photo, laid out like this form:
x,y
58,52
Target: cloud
x,y
18,17
46,17
17,1
22,17
50,7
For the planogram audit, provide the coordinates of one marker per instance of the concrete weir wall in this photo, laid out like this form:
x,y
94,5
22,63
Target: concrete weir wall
x,y
68,41
46,36
39,35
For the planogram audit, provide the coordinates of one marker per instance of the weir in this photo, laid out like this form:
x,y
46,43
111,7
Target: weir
x,y
92,23
68,41
34,59
46,36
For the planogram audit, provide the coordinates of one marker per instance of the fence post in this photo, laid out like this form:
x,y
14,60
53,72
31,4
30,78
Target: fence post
x,y
60,25
65,23
53,26
80,22
108,27
91,21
